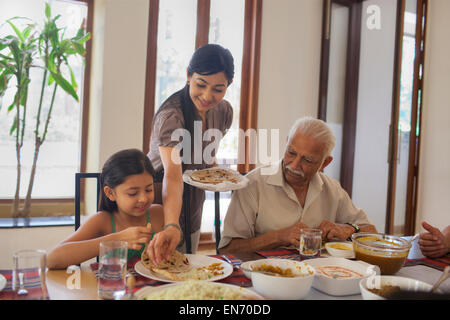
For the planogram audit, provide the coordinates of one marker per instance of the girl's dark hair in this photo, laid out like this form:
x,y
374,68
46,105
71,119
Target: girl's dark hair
x,y
117,168
206,60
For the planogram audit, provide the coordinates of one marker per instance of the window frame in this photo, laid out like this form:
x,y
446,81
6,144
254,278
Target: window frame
x,y
250,68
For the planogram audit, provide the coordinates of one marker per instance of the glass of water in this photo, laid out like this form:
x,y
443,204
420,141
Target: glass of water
x,y
112,269
310,243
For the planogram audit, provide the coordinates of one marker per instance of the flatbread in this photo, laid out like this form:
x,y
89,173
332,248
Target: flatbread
x,y
213,176
177,263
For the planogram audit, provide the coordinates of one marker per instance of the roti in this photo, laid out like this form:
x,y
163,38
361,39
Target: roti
x,y
213,176
176,263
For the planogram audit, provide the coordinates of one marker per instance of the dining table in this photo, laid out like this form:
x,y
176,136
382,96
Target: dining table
x,y
80,282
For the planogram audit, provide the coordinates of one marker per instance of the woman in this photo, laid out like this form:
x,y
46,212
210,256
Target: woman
x,y
199,106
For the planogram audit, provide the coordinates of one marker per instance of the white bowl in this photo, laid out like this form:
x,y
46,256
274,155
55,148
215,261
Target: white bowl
x,y
341,253
379,281
341,286
283,288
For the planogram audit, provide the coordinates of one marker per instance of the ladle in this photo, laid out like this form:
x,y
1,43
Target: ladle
x,y
445,275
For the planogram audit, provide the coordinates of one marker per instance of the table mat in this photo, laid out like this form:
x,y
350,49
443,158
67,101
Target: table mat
x,y
291,254
236,278
33,287
436,263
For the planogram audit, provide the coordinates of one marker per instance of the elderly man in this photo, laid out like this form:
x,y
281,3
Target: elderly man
x,y
272,209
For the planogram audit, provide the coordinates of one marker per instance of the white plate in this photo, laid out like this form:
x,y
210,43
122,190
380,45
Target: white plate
x,y
196,261
141,293
2,282
404,284
341,287
349,254
242,181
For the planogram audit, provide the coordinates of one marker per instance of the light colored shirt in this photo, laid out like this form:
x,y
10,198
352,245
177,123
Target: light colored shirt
x,y
268,203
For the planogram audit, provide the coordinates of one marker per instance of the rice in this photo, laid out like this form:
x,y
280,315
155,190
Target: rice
x,y
199,290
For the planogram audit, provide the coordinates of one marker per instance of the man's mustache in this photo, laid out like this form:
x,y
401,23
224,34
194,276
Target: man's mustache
x,y
299,173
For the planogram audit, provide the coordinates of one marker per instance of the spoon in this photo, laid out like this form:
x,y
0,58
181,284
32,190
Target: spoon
x,y
444,276
414,238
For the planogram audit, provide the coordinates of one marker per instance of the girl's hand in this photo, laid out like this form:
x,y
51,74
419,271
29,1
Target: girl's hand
x,y
135,236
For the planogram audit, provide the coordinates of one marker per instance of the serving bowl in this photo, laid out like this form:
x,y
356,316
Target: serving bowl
x,y
380,282
283,288
386,251
340,249
340,276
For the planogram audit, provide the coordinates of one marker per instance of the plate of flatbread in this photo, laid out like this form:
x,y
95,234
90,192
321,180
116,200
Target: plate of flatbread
x,y
215,179
182,267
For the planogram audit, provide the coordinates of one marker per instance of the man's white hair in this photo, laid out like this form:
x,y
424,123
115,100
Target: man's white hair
x,y
316,129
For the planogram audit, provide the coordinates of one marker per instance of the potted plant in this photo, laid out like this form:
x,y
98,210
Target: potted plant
x,y
47,49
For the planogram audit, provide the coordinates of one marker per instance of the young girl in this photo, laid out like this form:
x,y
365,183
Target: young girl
x,y
127,212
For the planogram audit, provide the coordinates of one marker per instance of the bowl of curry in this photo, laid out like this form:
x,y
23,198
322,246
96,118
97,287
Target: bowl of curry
x,y
389,252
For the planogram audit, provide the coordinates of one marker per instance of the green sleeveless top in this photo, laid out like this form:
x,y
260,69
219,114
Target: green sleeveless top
x,y
132,252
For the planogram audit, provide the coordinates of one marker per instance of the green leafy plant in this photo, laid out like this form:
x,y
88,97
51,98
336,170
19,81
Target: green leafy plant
x,y
22,50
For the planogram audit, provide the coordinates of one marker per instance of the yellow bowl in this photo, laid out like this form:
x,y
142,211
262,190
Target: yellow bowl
x,y
386,251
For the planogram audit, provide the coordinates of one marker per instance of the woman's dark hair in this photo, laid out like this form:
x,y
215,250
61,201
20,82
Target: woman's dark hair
x,y
117,168
210,59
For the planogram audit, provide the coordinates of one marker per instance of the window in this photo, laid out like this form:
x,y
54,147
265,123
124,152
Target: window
x,y
60,154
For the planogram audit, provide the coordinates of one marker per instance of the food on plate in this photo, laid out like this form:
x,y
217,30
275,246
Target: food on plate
x,y
200,290
338,272
178,268
177,262
277,271
340,246
213,176
386,291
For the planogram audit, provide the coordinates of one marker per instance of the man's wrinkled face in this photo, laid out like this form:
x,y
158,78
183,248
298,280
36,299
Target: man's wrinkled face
x,y
304,156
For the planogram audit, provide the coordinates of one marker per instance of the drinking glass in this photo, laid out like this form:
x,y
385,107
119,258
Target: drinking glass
x,y
112,269
310,243
29,274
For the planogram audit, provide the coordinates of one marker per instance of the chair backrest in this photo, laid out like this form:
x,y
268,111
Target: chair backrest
x,y
78,177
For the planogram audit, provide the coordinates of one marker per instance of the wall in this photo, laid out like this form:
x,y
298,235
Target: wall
x,y
290,64
434,175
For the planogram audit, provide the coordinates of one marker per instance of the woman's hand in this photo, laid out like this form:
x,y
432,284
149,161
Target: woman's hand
x,y
135,236
163,244
433,243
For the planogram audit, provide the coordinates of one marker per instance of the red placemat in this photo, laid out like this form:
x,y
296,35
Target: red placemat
x,y
437,263
280,254
33,287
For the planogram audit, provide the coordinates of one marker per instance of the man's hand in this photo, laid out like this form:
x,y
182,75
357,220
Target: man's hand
x,y
291,235
163,244
433,243
331,230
